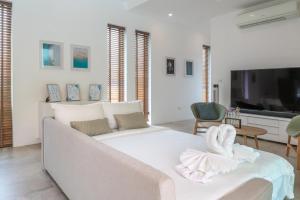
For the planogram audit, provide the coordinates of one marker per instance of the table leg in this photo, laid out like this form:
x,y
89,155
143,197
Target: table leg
x,y
298,154
288,147
245,140
256,142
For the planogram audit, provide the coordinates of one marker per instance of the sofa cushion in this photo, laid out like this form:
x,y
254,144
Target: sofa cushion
x,y
111,109
207,111
131,121
65,113
92,127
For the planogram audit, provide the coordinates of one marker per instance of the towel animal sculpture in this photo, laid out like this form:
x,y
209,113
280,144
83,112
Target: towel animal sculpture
x,y
222,157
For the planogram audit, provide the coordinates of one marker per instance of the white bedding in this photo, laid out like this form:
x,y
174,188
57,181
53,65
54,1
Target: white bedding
x,y
160,148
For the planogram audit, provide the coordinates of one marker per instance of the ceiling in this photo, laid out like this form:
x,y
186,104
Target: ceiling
x,y
189,12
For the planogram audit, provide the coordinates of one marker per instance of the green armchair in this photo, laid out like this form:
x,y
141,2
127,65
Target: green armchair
x,y
293,130
207,112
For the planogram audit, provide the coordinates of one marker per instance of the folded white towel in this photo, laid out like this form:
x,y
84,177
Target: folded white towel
x,y
244,154
227,134
200,167
220,139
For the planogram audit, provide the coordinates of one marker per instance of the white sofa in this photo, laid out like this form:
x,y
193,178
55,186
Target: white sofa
x,y
86,169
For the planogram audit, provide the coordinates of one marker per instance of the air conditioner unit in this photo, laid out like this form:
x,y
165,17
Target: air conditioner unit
x,y
268,12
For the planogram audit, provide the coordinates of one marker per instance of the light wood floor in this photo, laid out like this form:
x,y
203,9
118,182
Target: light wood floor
x,y
21,177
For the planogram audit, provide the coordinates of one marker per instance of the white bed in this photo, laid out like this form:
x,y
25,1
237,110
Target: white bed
x,y
160,148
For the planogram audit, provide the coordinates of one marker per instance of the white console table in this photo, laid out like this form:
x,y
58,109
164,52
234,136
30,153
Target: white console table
x,y
275,126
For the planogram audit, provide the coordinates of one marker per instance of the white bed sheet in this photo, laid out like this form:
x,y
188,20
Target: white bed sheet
x,y
161,147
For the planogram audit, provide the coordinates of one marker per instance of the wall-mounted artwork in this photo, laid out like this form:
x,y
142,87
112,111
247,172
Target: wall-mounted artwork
x,y
51,55
80,57
170,66
73,92
95,92
54,93
189,68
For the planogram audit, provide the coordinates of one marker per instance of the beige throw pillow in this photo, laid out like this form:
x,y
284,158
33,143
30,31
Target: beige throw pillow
x,y
111,109
92,127
131,121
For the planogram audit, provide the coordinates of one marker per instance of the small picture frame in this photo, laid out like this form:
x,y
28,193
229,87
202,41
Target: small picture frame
x,y
73,92
53,93
51,55
189,68
170,66
80,57
95,92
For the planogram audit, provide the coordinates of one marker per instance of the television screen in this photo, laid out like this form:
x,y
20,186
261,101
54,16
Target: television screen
x,y
266,89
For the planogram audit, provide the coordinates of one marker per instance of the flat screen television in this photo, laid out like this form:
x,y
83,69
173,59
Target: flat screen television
x,y
267,91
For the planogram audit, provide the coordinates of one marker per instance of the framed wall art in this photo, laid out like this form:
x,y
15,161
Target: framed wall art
x,y
170,66
80,57
53,93
189,68
73,92
95,92
51,55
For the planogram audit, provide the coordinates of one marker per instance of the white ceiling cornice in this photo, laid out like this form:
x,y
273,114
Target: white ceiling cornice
x,y
130,4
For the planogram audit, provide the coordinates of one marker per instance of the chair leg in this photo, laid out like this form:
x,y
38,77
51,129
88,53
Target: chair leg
x,y
298,154
195,128
288,148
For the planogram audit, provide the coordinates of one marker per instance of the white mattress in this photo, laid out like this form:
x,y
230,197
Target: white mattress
x,y
160,148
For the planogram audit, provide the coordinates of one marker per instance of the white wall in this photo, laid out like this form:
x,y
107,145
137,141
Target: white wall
x,y
266,46
84,22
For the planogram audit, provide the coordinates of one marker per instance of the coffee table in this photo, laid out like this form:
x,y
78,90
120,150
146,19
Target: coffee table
x,y
245,131
250,131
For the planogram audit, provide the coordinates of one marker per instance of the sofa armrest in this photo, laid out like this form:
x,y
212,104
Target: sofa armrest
x,y
255,189
87,169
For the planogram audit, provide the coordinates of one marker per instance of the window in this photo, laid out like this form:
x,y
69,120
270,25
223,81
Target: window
x,y
5,74
206,73
142,69
116,53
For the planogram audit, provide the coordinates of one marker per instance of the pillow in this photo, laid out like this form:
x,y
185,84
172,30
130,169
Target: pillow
x,y
111,109
131,121
93,127
208,111
65,113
